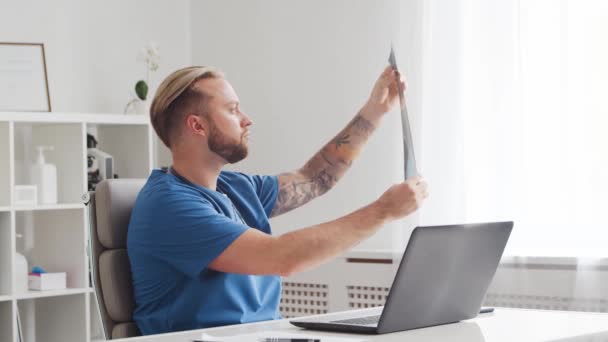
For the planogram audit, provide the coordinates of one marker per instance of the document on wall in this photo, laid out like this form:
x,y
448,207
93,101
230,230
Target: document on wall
x,y
278,336
409,159
23,85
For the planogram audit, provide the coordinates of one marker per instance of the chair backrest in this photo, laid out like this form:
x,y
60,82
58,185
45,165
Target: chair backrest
x,y
110,208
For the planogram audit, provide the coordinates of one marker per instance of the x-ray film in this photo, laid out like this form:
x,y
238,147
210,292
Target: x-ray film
x,y
409,159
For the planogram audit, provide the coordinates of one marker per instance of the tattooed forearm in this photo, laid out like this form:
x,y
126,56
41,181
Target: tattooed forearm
x,y
324,169
339,141
363,125
345,147
297,190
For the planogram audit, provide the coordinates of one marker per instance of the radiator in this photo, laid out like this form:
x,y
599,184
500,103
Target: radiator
x,y
532,283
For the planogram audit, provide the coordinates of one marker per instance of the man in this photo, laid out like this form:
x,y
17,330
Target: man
x,y
199,240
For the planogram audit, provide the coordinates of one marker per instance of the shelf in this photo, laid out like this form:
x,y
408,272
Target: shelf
x,y
36,117
68,155
6,321
96,327
116,119
55,241
6,162
61,206
50,293
129,146
6,251
54,236
53,319
45,294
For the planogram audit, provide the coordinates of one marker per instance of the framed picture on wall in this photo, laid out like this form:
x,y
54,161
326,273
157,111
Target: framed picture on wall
x,y
23,80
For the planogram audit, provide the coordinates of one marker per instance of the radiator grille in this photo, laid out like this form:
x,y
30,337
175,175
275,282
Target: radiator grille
x,y
546,302
302,299
366,296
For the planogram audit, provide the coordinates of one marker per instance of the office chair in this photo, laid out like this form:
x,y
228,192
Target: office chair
x,y
110,208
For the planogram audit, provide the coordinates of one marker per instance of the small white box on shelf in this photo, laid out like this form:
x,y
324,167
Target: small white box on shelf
x,y
26,195
47,281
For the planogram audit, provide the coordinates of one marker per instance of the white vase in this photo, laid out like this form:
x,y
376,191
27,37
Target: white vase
x,y
142,107
21,273
137,106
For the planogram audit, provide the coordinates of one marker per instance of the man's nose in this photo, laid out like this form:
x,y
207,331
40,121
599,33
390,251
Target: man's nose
x,y
246,121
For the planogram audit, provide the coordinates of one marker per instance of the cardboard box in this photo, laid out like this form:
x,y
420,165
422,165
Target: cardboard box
x,y
47,281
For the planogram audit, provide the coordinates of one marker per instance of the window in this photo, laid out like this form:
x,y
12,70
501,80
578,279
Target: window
x,y
515,120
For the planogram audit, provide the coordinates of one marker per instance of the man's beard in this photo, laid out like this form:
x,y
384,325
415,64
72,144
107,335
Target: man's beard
x,y
219,143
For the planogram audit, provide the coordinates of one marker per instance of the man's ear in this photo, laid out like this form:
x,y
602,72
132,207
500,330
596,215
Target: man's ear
x,y
197,125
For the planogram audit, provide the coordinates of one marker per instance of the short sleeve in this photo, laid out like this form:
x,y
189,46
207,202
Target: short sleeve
x,y
194,237
267,189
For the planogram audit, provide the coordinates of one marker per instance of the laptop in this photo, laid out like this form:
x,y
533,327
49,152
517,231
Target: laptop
x,y
442,278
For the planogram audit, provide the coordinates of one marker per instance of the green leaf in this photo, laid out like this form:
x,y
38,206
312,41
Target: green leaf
x,y
141,89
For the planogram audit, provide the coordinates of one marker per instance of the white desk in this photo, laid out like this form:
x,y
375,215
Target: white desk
x,y
504,325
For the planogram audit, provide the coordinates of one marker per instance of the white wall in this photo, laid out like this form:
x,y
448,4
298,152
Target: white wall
x,y
302,70
91,46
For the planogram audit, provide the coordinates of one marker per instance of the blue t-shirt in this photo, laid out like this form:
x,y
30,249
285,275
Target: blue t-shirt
x,y
177,228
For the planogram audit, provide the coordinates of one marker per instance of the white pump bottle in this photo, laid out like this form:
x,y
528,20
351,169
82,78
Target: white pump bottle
x,y
44,176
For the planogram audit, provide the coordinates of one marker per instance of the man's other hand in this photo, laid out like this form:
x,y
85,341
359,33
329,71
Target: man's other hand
x,y
385,94
403,199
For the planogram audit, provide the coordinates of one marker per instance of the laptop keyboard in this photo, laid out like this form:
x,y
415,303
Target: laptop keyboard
x,y
360,320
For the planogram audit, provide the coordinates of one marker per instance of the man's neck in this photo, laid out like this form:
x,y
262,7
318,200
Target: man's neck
x,y
201,171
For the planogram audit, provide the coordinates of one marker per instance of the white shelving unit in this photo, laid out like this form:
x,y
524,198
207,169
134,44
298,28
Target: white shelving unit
x,y
55,236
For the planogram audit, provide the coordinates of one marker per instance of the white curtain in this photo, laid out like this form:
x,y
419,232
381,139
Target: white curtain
x,y
515,120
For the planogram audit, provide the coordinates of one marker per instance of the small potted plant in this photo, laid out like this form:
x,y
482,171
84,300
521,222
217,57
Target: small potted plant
x,y
138,104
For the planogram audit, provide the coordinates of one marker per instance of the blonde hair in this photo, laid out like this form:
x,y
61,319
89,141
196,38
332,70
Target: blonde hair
x,y
176,97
